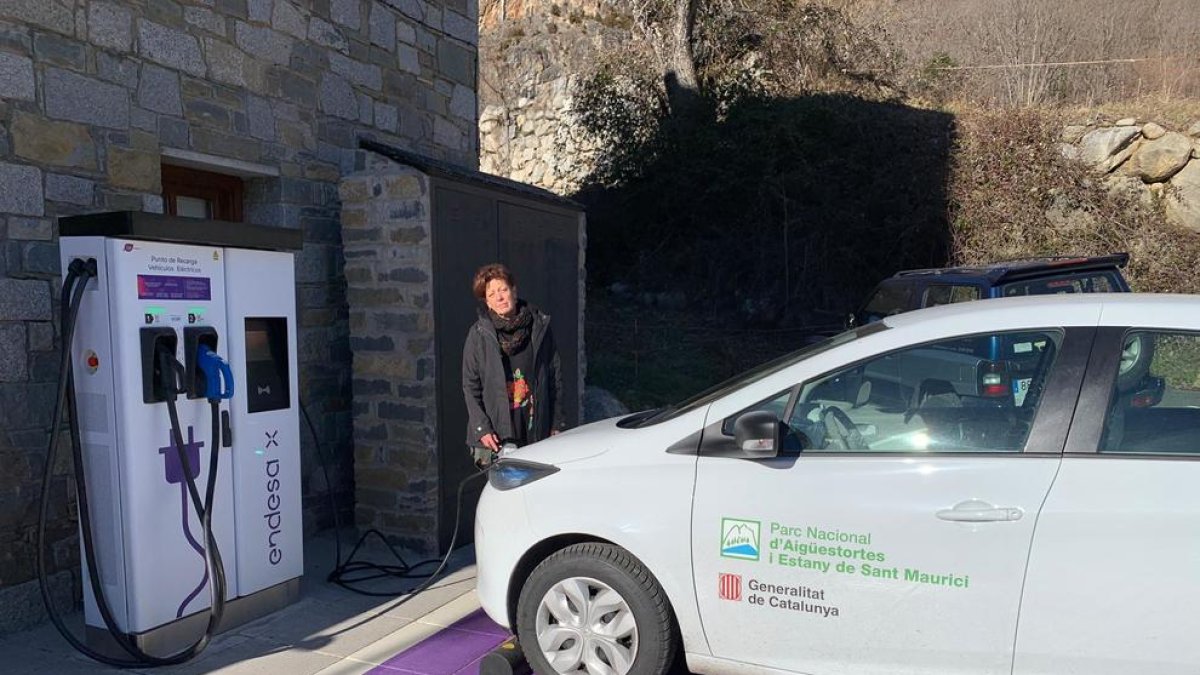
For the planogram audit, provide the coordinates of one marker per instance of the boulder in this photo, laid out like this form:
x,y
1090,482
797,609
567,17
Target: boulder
x,y
1156,161
1127,122
1073,133
1182,202
1110,164
1153,131
1100,144
1194,130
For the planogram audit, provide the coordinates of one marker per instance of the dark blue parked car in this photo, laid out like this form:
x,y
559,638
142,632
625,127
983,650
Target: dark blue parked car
x,y
1001,365
914,289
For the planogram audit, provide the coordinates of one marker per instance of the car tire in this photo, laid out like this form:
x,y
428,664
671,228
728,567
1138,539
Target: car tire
x,y
623,584
1136,354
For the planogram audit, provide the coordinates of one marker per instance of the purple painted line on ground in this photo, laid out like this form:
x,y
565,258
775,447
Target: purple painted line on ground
x,y
471,668
450,651
478,622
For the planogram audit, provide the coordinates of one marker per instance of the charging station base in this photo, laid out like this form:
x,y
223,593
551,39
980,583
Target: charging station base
x,y
177,635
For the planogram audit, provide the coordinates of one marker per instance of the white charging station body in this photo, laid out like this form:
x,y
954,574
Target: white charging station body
x,y
148,536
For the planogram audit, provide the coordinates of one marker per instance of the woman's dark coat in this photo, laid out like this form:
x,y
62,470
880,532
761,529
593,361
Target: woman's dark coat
x,y
485,387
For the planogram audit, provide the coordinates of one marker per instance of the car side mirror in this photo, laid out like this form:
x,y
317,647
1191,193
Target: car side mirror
x,y
758,434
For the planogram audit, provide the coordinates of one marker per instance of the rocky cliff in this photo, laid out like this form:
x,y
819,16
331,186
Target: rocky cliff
x,y
530,54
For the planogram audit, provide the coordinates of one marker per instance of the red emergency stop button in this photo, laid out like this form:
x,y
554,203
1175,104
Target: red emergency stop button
x,y
91,361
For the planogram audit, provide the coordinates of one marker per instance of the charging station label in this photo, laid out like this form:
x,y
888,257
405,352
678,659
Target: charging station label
x,y
158,287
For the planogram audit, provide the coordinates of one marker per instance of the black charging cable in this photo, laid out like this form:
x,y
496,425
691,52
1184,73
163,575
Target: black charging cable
x,y
79,272
347,574
212,553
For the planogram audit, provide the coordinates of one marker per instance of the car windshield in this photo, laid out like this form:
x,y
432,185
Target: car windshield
x,y
1088,282
753,375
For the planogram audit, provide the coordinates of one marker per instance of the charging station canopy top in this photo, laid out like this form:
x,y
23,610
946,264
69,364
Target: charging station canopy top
x,y
174,229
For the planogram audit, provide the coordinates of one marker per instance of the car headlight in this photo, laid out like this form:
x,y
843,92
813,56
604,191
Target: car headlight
x,y
507,474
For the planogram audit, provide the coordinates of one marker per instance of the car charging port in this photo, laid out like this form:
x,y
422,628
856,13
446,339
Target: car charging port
x,y
195,337
156,386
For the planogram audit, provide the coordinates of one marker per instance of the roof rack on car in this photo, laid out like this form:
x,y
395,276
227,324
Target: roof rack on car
x,y
1120,259
1024,266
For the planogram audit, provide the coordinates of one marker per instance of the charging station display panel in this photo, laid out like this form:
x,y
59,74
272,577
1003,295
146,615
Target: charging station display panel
x,y
267,384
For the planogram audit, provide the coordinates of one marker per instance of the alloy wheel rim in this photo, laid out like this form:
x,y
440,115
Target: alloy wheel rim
x,y
1130,354
584,626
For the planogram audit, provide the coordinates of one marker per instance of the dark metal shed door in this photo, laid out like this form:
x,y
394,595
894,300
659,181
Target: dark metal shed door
x,y
473,226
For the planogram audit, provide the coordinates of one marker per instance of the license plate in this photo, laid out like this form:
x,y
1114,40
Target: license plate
x,y
1020,389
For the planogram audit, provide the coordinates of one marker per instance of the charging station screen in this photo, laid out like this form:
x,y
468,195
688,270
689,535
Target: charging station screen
x,y
159,287
267,364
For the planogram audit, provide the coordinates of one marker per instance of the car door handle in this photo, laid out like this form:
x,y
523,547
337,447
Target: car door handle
x,y
976,511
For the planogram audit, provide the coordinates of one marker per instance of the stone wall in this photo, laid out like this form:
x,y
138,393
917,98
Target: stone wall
x,y
95,94
531,54
536,140
1159,165
389,266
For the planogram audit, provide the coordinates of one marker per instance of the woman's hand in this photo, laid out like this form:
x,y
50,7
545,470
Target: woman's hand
x,y
491,442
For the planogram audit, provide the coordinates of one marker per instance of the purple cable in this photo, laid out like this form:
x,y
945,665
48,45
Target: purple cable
x,y
187,532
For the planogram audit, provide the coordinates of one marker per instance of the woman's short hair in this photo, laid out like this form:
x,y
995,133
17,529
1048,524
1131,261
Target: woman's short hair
x,y
488,273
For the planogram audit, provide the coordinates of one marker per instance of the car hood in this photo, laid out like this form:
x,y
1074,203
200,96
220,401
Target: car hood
x,y
574,445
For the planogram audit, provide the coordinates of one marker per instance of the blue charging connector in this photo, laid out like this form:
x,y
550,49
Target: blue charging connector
x,y
216,373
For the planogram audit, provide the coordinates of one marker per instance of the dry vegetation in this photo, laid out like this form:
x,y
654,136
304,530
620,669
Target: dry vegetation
x,y
1162,37
1012,195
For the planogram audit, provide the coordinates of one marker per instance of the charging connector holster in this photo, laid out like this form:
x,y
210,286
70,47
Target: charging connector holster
x,y
154,338
193,337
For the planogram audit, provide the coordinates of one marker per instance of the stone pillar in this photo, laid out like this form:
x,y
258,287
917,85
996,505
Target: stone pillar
x,y
389,271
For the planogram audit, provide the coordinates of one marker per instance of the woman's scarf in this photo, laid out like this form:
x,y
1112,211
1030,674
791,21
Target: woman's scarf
x,y
513,330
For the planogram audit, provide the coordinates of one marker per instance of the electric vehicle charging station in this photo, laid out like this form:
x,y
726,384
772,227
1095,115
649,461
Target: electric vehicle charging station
x,y
210,306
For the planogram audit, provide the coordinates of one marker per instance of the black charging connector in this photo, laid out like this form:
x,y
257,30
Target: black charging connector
x,y
193,338
155,382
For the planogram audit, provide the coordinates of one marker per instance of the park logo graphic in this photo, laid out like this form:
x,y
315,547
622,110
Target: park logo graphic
x,y
739,538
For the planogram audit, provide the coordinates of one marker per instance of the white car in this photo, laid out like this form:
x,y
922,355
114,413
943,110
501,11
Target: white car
x,y
893,500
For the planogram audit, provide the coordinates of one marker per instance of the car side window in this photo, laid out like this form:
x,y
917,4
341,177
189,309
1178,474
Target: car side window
x,y
947,294
1155,405
972,394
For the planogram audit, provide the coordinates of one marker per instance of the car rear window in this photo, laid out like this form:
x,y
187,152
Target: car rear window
x,y
1084,282
889,299
944,294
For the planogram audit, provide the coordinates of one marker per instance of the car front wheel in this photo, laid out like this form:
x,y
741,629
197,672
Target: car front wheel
x,y
594,608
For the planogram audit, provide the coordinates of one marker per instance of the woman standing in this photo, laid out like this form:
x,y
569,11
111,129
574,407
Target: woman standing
x,y
512,379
